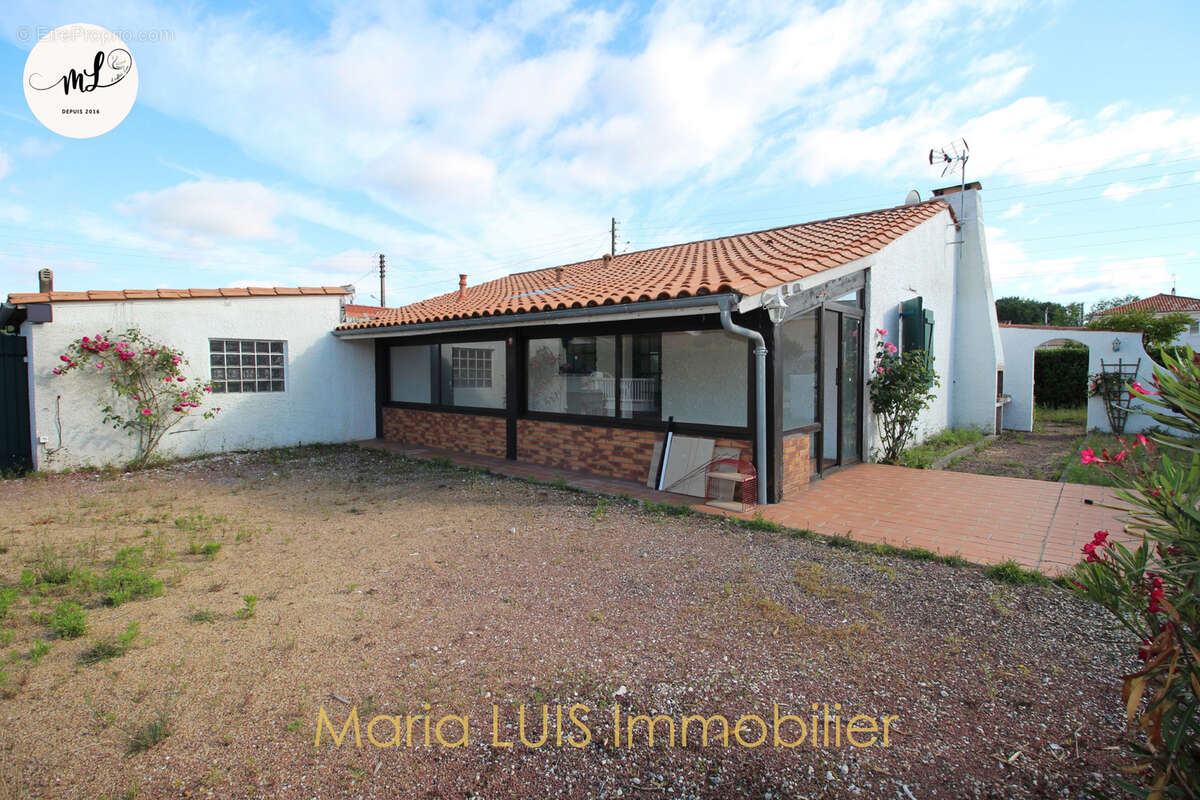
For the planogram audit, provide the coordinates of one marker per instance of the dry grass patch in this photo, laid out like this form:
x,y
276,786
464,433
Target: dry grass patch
x,y
392,584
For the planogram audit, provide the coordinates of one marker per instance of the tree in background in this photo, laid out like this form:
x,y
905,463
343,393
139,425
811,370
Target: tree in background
x,y
1158,330
1100,306
1027,311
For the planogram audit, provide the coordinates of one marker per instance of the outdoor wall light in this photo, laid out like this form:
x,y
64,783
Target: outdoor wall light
x,y
776,307
1116,345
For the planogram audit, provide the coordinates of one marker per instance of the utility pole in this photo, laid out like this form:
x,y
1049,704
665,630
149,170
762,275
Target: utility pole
x,y
613,251
382,272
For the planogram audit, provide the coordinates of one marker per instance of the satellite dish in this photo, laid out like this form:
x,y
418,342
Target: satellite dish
x,y
913,198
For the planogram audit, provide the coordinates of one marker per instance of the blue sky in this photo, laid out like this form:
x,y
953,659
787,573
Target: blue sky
x,y
286,144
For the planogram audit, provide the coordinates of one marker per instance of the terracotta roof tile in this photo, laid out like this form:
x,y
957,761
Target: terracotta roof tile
x,y
1159,303
356,311
746,263
19,298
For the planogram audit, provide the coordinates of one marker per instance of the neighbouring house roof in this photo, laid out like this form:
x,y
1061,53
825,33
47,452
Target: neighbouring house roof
x,y
1161,303
747,264
22,298
356,311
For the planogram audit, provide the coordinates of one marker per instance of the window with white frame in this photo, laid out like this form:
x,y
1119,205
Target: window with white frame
x,y
247,365
472,367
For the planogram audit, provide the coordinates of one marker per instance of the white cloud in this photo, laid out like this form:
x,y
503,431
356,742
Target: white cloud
x,y
1071,278
14,214
495,139
36,147
1015,210
203,211
1123,191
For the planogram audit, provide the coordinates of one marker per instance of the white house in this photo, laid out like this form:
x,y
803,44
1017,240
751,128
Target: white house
x,y
308,386
756,347
1162,304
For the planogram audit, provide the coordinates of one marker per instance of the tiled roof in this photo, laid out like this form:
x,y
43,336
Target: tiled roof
x,y
19,298
356,311
746,264
1159,303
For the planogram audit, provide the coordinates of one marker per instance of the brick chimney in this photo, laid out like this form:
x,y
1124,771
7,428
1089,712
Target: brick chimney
x,y
607,259
45,280
462,287
558,273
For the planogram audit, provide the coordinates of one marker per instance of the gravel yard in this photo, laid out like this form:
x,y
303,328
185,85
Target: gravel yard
x,y
403,588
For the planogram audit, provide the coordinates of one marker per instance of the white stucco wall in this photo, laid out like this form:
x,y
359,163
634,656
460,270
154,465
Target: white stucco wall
x,y
919,264
978,353
1189,338
947,266
1020,342
330,383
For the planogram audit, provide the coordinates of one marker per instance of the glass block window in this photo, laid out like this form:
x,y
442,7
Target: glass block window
x,y
247,365
472,367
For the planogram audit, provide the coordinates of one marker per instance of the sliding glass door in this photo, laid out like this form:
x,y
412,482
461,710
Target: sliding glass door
x,y
841,351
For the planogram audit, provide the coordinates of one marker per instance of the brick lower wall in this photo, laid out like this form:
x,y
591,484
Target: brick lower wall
x,y
613,452
465,433
797,462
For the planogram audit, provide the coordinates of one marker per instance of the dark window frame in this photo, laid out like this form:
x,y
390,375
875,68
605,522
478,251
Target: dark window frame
x,y
435,375
518,339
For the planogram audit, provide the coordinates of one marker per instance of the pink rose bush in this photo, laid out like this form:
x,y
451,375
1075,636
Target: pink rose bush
x,y
900,387
147,393
1150,582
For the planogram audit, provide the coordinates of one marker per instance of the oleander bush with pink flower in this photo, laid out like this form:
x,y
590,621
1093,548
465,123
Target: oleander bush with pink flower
x,y
147,393
900,387
1151,583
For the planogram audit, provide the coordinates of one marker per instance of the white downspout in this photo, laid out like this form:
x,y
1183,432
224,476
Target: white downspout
x,y
760,394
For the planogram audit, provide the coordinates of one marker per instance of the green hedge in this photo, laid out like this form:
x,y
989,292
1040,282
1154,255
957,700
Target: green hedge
x,y
1060,377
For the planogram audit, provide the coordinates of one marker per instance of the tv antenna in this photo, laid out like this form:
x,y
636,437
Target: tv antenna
x,y
953,158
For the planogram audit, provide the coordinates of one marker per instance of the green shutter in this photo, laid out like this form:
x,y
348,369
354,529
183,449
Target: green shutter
x,y
912,327
916,326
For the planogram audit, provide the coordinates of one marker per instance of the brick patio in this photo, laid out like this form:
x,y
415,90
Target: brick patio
x,y
983,518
